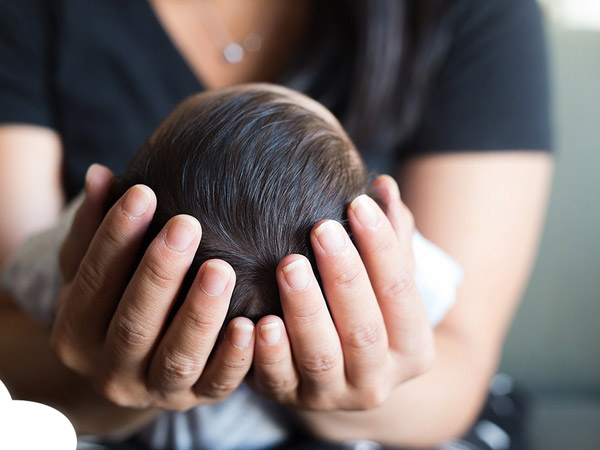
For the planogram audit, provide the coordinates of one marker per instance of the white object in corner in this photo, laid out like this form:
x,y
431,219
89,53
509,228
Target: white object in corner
x,y
28,425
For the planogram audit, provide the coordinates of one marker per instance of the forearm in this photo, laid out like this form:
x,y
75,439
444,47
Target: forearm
x,y
422,413
31,371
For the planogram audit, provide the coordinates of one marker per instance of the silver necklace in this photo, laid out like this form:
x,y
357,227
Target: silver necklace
x,y
233,50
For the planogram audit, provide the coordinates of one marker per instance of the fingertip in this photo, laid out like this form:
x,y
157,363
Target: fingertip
x,y
241,321
97,180
219,264
216,277
385,190
146,190
270,330
136,201
287,260
390,183
241,333
87,218
319,224
365,210
295,270
331,237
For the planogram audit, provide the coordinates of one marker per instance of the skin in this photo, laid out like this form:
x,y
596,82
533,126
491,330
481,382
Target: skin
x,y
373,369
467,342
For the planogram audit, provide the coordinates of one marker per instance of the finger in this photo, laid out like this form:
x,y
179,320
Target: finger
x,y
87,219
387,194
274,375
190,338
84,313
143,310
231,362
314,339
392,276
352,302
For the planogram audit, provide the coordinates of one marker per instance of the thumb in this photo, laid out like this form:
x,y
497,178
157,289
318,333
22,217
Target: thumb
x,y
384,190
87,219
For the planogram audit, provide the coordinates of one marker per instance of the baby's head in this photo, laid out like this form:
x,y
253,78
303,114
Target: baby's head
x,y
257,165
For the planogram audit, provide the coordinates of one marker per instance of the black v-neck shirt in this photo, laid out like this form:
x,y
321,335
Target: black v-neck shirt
x,y
104,73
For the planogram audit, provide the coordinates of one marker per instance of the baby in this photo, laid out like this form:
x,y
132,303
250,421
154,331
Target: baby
x,y
258,165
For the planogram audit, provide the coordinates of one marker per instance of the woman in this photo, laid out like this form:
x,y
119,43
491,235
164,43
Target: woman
x,y
440,95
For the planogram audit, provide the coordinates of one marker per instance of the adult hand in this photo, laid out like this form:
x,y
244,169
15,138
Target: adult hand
x,y
375,334
111,326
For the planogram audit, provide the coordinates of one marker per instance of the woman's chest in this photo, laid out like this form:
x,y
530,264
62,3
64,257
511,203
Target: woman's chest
x,y
228,42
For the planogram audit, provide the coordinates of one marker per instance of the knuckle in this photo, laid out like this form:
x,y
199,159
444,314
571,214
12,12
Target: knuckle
x,y
235,365
308,314
277,386
68,351
114,392
177,369
124,394
90,280
271,364
58,340
130,332
218,389
426,362
372,398
60,345
381,244
199,322
423,361
365,337
111,236
418,356
157,274
418,345
402,286
348,278
319,364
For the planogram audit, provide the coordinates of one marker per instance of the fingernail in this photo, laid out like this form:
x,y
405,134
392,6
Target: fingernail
x,y
181,233
136,202
331,236
241,335
296,275
270,333
364,210
214,279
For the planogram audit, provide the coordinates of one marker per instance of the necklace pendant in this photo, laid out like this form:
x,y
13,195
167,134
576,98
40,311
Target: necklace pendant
x,y
233,53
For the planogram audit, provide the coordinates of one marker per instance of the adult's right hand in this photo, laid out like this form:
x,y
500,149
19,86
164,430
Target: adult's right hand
x,y
111,326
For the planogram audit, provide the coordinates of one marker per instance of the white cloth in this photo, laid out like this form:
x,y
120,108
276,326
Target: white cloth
x,y
437,276
32,277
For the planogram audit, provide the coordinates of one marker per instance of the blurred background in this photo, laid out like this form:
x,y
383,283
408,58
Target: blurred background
x,y
553,349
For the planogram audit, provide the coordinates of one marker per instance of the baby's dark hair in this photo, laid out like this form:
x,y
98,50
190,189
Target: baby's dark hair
x,y
258,169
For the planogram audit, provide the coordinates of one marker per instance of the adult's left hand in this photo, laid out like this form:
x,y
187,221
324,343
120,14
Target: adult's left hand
x,y
374,336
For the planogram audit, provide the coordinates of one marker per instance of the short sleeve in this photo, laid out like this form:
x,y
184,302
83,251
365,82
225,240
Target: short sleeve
x,y
26,41
492,92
